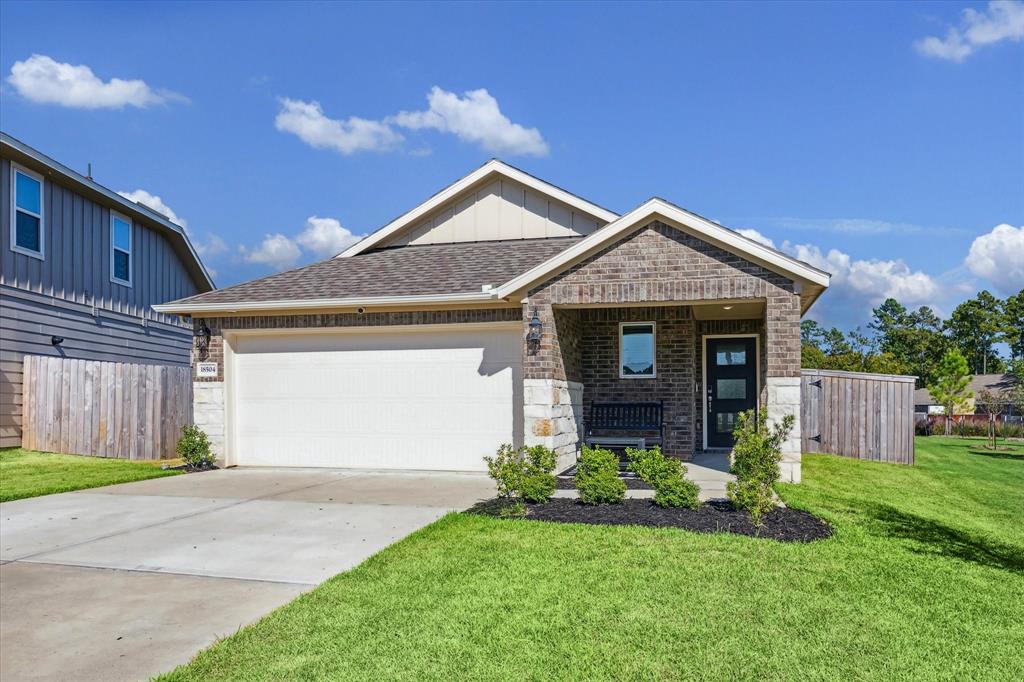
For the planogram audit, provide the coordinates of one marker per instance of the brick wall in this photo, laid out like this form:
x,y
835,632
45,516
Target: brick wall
x,y
674,363
217,324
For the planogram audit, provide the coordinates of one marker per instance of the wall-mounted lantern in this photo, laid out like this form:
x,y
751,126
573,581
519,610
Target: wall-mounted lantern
x,y
534,333
203,340
56,340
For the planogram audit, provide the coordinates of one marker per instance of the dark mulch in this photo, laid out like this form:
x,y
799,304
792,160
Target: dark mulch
x,y
632,483
715,516
192,470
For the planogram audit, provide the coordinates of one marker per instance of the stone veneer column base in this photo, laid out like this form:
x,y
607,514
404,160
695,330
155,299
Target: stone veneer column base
x,y
208,412
783,397
553,411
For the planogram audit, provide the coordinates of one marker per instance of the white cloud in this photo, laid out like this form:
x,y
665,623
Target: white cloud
x,y
998,256
308,122
757,237
44,80
868,282
276,251
1001,20
474,117
325,237
213,246
141,196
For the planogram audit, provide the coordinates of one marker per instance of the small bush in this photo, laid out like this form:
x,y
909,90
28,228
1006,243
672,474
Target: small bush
x,y
676,491
597,477
523,473
648,465
667,475
756,457
194,447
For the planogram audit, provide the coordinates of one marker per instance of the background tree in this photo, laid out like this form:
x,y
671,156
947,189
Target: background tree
x,y
950,386
975,326
1013,325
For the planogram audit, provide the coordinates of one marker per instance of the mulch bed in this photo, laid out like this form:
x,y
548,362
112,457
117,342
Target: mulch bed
x,y
192,470
715,516
632,483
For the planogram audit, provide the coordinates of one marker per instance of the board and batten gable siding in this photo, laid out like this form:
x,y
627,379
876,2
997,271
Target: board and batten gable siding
x,y
76,266
501,209
70,294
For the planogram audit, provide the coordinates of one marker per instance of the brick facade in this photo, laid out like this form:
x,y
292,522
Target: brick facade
x,y
655,274
387,319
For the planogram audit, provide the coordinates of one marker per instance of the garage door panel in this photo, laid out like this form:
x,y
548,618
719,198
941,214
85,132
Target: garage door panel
x,y
421,400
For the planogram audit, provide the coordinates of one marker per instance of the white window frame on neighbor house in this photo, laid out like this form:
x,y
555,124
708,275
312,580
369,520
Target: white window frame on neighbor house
x,y
21,170
704,374
115,216
654,350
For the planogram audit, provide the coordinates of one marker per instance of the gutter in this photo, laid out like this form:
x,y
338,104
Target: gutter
x,y
184,308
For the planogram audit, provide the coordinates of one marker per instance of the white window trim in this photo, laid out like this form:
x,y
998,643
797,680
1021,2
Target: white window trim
x,y
114,215
654,350
704,373
41,253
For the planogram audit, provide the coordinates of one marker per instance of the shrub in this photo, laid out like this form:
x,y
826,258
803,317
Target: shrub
x,y
194,447
523,473
755,463
597,477
676,491
538,480
667,475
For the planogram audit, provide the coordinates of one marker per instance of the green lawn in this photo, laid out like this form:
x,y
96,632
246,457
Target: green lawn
x,y
923,579
27,473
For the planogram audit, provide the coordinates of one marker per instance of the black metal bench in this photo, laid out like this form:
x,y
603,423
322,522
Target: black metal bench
x,y
619,417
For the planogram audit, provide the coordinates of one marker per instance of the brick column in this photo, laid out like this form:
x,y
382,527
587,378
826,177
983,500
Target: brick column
x,y
552,387
782,388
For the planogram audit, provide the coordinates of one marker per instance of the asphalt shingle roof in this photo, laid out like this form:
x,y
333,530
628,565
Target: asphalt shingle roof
x,y
401,271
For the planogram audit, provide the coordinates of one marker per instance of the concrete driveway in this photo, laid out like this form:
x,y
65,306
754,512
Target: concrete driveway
x,y
124,582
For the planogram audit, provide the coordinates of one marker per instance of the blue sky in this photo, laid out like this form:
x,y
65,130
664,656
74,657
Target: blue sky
x,y
884,142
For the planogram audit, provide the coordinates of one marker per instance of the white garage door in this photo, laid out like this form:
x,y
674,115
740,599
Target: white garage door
x,y
383,400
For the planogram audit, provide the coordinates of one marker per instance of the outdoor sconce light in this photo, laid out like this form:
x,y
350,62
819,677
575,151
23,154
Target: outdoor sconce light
x,y
533,335
56,340
203,340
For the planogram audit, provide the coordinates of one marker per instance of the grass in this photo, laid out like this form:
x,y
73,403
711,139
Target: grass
x,y
27,473
923,579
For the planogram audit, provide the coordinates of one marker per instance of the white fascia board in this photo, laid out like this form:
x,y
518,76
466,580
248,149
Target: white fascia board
x,y
492,167
319,303
677,217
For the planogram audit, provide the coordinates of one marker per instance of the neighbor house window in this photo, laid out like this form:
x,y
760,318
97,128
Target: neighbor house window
x,y
121,249
26,212
636,350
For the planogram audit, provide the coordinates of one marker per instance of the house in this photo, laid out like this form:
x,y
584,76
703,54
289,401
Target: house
x,y
80,268
924,403
502,309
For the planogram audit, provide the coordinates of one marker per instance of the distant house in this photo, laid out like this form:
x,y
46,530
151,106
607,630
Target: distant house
x,y
924,403
80,268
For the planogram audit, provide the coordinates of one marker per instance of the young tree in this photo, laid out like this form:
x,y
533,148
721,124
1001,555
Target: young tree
x,y
992,403
950,386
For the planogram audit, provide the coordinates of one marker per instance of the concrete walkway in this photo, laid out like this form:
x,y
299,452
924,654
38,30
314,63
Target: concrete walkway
x,y
124,582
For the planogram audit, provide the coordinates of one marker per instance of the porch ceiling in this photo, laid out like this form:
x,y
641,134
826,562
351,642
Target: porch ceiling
x,y
724,310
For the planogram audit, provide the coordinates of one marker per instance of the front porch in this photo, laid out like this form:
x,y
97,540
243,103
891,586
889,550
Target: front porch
x,y
597,355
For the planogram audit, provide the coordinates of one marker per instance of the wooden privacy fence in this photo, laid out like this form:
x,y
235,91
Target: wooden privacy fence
x,y
855,414
109,409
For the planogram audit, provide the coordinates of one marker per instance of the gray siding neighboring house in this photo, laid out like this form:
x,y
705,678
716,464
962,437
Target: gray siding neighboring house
x,y
68,290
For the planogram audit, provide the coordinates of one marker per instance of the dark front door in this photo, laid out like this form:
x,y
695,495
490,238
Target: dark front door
x,y
731,385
